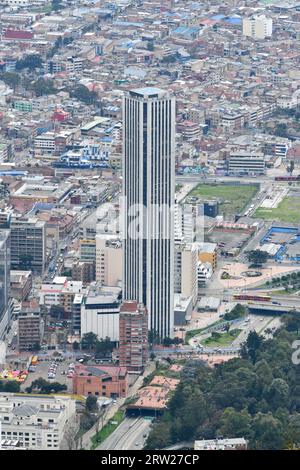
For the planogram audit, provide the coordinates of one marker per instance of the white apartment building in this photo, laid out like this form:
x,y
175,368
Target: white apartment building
x,y
185,222
186,270
45,144
109,259
51,294
245,163
204,272
38,423
257,27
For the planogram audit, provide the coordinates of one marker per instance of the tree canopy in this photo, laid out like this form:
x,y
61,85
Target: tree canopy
x,y
257,257
31,62
255,396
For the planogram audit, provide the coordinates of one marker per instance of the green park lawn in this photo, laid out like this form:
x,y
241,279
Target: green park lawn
x,y
235,197
224,340
287,211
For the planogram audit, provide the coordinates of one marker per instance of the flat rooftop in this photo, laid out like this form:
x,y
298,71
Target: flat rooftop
x,y
148,92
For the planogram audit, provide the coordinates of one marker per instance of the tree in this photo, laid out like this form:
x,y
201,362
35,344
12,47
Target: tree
x,y
89,341
277,393
237,312
56,5
44,87
82,93
11,387
91,404
292,321
235,424
268,432
45,387
104,346
87,420
250,348
281,130
11,79
257,257
291,167
70,434
153,338
160,436
31,62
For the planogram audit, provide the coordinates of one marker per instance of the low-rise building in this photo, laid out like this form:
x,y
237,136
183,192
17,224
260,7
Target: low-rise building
x,y
38,423
221,444
102,381
207,253
20,284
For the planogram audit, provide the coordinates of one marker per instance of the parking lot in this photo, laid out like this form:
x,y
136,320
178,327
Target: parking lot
x,y
229,242
42,370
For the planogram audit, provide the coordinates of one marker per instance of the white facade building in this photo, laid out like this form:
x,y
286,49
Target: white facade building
x,y
100,312
109,258
148,190
38,423
186,270
5,312
257,27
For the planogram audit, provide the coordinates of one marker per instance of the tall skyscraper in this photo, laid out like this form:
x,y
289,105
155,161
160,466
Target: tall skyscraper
x,y
148,191
4,280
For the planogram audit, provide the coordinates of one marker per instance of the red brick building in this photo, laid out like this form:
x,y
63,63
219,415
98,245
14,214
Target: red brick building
x,y
133,344
102,381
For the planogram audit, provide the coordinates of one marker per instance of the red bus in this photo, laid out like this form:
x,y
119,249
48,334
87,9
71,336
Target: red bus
x,y
255,298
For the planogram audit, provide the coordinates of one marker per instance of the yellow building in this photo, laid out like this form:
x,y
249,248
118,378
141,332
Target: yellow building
x,y
208,254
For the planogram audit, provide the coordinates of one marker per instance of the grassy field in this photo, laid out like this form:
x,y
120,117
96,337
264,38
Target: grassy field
x,y
287,211
224,340
107,430
235,198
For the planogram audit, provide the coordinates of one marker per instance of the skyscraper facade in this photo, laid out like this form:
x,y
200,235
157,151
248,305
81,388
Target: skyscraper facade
x,y
148,198
4,280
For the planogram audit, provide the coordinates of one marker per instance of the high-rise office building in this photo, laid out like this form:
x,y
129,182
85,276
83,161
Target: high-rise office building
x,y
148,192
4,280
30,326
28,244
133,349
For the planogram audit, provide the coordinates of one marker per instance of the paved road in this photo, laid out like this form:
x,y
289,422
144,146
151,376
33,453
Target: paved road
x,y
130,435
